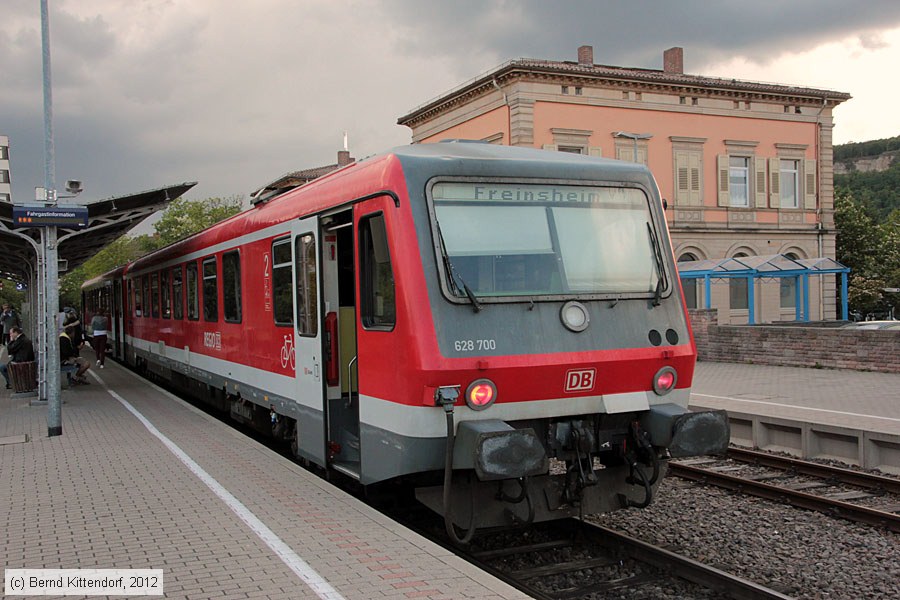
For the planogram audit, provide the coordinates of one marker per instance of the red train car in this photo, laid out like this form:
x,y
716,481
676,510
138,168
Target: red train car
x,y
499,327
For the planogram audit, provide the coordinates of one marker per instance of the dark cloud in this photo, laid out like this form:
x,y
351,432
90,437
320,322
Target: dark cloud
x,y
154,92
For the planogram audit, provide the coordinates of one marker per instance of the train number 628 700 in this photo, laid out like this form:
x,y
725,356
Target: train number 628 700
x,y
472,345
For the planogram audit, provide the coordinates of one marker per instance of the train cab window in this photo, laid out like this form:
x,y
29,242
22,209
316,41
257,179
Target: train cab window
x,y
307,286
154,295
193,305
282,282
166,307
378,307
177,294
231,286
210,290
145,294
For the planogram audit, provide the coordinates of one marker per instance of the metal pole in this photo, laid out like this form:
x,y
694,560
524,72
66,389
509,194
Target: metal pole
x,y
51,264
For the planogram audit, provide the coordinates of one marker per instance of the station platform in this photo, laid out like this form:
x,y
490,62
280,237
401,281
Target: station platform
x,y
142,480
845,415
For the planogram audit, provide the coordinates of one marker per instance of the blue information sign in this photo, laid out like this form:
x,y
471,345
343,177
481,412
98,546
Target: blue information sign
x,y
73,217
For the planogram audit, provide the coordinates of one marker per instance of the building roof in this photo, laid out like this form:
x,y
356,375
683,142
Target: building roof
x,y
294,179
531,68
107,220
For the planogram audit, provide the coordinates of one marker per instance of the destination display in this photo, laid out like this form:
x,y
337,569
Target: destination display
x,y
75,217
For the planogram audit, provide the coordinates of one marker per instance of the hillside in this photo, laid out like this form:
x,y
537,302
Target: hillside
x,y
870,171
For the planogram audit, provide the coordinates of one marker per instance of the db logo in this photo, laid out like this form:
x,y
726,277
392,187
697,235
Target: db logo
x,y
580,380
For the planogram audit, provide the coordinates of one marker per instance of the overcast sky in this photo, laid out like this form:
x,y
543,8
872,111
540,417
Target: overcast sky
x,y
233,94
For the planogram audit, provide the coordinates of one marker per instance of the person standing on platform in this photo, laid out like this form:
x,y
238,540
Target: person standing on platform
x,y
20,350
99,324
9,318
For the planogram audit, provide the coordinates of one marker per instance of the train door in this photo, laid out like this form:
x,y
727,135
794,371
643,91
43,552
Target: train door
x,y
308,338
117,320
339,343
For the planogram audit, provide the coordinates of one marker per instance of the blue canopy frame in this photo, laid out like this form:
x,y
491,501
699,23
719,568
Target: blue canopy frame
x,y
774,266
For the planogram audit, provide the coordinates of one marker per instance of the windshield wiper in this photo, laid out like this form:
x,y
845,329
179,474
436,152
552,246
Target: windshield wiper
x,y
453,273
657,255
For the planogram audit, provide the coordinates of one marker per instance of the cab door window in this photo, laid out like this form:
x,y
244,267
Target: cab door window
x,y
378,304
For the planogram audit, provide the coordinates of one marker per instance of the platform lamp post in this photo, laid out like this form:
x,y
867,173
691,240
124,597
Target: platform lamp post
x,y
634,137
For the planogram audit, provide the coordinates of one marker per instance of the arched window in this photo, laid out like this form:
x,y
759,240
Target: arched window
x,y
689,286
789,287
738,290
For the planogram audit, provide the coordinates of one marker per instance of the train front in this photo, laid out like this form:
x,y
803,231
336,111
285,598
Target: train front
x,y
565,355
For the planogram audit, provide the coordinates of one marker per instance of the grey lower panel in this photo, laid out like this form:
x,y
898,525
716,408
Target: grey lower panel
x,y
469,495
386,454
310,422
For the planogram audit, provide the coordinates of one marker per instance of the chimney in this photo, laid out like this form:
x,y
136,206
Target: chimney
x,y
344,158
673,60
586,55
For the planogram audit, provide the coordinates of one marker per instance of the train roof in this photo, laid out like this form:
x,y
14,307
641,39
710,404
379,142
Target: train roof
x,y
392,170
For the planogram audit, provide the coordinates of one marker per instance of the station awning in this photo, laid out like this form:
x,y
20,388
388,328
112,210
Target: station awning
x,y
107,220
773,266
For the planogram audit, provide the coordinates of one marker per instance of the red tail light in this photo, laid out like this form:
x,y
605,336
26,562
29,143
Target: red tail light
x,y
480,394
664,381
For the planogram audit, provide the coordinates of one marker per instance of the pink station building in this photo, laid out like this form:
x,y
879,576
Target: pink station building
x,y
745,167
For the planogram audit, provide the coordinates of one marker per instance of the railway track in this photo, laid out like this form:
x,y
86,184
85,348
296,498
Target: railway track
x,y
839,492
572,559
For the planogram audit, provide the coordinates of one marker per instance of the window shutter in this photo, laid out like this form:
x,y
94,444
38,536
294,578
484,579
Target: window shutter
x,y
622,154
696,196
682,184
774,183
595,151
642,156
759,166
722,185
552,147
809,187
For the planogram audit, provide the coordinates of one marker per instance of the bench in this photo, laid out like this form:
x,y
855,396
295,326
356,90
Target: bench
x,y
22,376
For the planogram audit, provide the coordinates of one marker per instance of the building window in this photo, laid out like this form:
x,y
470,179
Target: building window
x,y
177,294
307,286
689,286
578,91
4,176
4,197
210,290
378,308
4,152
565,89
739,180
231,286
737,290
788,288
790,183
282,282
689,177
193,305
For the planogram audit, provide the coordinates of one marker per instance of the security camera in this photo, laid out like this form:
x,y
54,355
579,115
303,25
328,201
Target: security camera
x,y
73,186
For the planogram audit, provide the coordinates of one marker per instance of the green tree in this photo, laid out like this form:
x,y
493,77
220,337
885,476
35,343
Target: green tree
x,y
180,219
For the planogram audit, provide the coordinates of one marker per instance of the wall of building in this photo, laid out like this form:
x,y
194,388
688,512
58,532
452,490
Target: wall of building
x,y
5,188
795,346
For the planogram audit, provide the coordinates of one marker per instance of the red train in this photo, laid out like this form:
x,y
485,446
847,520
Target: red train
x,y
499,327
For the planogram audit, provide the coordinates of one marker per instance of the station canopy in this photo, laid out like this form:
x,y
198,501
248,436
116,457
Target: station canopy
x,y
107,220
773,266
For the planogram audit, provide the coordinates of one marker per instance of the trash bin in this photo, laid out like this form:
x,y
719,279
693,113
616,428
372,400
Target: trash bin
x,y
23,376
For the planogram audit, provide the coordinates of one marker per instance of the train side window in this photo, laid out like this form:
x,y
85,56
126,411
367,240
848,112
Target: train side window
x,y
134,296
231,286
378,306
177,294
307,286
145,294
193,306
282,282
154,295
166,296
210,290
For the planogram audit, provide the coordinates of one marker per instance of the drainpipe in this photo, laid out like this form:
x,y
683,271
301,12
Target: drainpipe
x,y
508,112
820,226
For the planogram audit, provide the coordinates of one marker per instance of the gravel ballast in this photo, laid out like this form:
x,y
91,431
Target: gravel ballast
x,y
801,553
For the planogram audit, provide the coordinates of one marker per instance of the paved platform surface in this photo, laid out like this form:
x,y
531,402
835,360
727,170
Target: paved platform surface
x,y
853,399
226,519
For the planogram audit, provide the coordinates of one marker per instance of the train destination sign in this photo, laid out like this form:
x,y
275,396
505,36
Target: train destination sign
x,y
74,217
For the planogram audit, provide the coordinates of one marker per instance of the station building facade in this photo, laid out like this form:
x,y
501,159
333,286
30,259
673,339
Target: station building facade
x,y
745,167
5,189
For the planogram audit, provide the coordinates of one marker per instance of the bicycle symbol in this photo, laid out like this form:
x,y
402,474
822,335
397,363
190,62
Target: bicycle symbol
x,y
288,354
